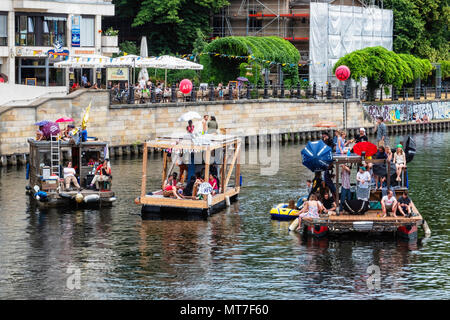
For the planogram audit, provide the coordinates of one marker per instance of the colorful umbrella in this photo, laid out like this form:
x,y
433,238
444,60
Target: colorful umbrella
x,y
325,124
42,123
86,116
317,156
368,147
64,119
243,79
51,128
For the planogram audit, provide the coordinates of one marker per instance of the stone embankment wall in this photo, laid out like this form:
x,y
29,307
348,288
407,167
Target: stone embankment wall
x,y
123,126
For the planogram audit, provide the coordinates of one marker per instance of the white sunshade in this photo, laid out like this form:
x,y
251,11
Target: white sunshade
x,y
162,62
91,61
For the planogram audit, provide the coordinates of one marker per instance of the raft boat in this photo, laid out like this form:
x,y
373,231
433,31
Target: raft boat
x,y
45,173
199,154
361,216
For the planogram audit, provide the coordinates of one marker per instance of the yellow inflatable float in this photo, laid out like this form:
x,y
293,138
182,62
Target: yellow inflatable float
x,y
283,212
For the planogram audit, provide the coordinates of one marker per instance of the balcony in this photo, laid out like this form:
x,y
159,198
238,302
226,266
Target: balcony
x,y
110,45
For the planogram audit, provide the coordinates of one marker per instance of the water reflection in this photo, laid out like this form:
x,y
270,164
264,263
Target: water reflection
x,y
238,253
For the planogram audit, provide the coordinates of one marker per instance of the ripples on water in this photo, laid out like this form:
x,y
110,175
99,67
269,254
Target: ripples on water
x,y
237,254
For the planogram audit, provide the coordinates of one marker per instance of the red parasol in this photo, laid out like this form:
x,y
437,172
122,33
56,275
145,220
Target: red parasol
x,y
325,124
368,147
64,119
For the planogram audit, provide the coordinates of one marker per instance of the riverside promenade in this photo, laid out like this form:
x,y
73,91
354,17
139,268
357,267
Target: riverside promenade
x,y
126,126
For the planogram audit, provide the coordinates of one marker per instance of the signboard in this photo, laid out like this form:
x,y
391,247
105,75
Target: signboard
x,y
117,74
55,56
31,81
76,31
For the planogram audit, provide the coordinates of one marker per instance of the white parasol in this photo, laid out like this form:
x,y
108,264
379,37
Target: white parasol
x,y
191,115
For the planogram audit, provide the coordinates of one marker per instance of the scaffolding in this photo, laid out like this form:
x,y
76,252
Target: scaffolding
x,y
287,19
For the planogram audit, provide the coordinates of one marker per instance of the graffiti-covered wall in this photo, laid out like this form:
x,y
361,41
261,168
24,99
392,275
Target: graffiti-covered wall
x,y
396,112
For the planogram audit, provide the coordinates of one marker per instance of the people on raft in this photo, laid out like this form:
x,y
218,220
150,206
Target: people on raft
x,y
308,186
342,144
204,124
39,134
69,177
101,174
170,188
345,186
381,131
213,182
389,204
311,209
316,183
400,161
404,204
363,179
361,137
212,125
329,205
327,140
380,154
190,127
328,177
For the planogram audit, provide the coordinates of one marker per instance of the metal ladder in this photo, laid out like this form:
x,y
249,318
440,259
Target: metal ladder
x,y
55,155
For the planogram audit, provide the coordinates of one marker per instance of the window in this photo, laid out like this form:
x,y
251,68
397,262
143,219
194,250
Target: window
x,y
53,30
40,30
87,33
25,28
3,30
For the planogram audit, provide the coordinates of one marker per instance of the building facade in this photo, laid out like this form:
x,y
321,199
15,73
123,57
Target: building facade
x,y
322,30
34,34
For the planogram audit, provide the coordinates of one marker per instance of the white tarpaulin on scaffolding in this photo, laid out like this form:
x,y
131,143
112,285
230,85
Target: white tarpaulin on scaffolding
x,y
337,30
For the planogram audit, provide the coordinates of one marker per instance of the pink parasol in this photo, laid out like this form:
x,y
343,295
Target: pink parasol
x,y
64,119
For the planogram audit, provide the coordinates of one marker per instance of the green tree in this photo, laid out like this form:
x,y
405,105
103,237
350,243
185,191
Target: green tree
x,y
421,27
382,67
170,25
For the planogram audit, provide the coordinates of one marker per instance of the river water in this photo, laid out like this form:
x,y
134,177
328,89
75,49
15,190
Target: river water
x,y
236,254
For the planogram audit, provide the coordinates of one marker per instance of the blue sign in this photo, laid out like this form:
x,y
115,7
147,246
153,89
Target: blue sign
x,y
76,31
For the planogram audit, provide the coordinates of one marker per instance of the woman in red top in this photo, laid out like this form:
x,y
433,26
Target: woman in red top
x,y
190,127
105,174
170,188
213,183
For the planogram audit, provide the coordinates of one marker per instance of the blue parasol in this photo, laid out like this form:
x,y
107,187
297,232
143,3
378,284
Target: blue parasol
x,y
317,156
42,123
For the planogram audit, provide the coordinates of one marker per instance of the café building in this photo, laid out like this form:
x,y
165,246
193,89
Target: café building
x,y
34,34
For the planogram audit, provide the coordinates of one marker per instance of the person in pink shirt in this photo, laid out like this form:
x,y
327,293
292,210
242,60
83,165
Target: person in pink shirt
x,y
213,183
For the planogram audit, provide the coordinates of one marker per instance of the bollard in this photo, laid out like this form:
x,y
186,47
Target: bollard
x,y
266,93
211,92
275,92
173,93
282,90
329,91
152,94
314,93
299,94
249,91
193,94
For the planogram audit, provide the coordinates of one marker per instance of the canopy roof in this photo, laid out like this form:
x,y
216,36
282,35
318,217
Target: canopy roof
x,y
88,61
187,143
162,62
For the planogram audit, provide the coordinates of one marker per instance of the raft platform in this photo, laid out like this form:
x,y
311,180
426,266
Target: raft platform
x,y
227,147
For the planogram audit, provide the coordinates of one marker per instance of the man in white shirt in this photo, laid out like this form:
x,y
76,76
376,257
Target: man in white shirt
x,y
363,178
69,176
389,203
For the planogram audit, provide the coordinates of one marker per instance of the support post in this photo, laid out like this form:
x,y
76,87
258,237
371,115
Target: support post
x,y
144,171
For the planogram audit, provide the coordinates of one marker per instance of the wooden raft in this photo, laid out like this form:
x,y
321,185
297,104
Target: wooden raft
x,y
185,144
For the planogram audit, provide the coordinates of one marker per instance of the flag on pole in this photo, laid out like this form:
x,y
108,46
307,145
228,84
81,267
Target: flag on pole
x,y
86,116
